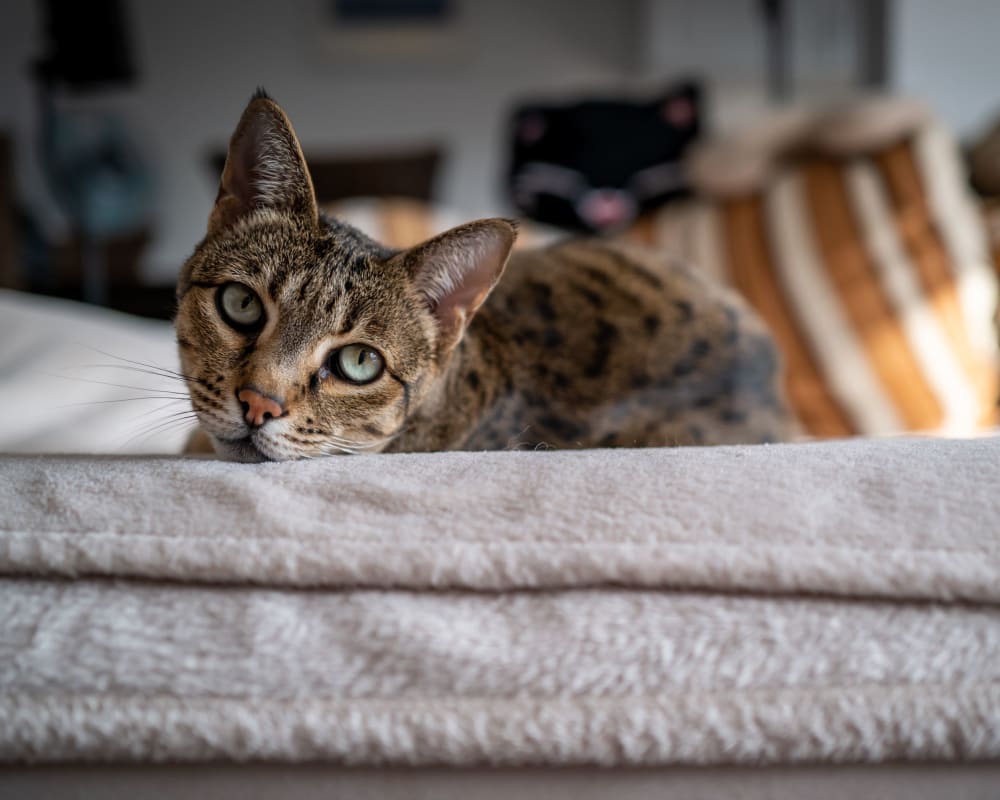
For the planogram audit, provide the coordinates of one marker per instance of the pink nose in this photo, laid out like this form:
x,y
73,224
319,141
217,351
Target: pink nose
x,y
606,208
258,408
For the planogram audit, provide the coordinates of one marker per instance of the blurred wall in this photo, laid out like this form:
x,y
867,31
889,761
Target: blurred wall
x,y
720,40
948,53
201,59
724,41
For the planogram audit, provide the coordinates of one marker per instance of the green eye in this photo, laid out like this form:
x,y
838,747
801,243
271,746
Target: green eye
x,y
358,363
239,306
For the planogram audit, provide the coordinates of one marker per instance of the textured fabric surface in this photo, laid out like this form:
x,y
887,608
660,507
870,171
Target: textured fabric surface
x,y
900,518
226,781
609,677
761,605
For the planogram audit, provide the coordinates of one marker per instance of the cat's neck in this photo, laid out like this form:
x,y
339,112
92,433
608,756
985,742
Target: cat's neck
x,y
477,374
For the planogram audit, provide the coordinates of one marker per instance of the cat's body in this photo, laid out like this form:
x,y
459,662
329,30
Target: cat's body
x,y
301,337
590,344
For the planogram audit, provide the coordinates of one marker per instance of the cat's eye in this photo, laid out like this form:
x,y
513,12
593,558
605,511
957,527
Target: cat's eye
x,y
357,363
239,306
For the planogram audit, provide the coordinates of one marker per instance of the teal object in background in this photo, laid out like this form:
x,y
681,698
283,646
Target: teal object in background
x,y
96,173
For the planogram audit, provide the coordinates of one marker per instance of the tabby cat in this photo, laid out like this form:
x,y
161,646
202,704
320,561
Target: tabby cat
x,y
301,337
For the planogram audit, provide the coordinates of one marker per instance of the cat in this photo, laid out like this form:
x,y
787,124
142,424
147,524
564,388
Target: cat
x,y
571,167
299,336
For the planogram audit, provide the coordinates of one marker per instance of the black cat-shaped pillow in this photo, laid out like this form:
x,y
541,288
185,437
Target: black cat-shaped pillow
x,y
595,165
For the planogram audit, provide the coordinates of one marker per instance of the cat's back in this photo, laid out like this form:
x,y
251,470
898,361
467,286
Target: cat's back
x,y
632,347
640,287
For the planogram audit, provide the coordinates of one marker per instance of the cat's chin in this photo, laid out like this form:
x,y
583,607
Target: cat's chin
x,y
242,450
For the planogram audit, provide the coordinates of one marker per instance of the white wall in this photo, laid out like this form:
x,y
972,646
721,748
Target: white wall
x,y
948,53
201,59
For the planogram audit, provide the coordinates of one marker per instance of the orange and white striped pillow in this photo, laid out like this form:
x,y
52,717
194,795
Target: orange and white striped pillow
x,y
858,243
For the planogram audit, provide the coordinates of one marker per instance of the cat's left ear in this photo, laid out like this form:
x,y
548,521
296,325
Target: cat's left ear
x,y
455,272
264,169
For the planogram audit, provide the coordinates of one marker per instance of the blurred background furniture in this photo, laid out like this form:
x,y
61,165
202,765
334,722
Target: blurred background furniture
x,y
11,276
94,169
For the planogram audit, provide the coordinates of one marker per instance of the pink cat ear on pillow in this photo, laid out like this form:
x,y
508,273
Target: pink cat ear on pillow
x,y
264,169
455,272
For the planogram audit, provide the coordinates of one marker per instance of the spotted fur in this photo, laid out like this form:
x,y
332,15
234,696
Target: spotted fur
x,y
580,345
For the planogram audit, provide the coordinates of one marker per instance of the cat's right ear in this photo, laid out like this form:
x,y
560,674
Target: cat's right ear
x,y
456,270
264,169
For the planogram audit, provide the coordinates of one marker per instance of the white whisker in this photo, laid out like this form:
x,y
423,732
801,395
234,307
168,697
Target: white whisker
x,y
159,408
154,373
163,370
340,444
179,419
115,385
123,400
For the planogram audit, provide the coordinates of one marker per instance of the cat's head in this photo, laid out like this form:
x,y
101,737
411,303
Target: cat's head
x,y
300,336
596,165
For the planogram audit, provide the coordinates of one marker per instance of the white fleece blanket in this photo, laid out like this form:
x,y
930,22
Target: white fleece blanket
x,y
775,604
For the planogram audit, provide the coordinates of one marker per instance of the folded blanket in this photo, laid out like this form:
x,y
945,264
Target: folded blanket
x,y
904,518
773,604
